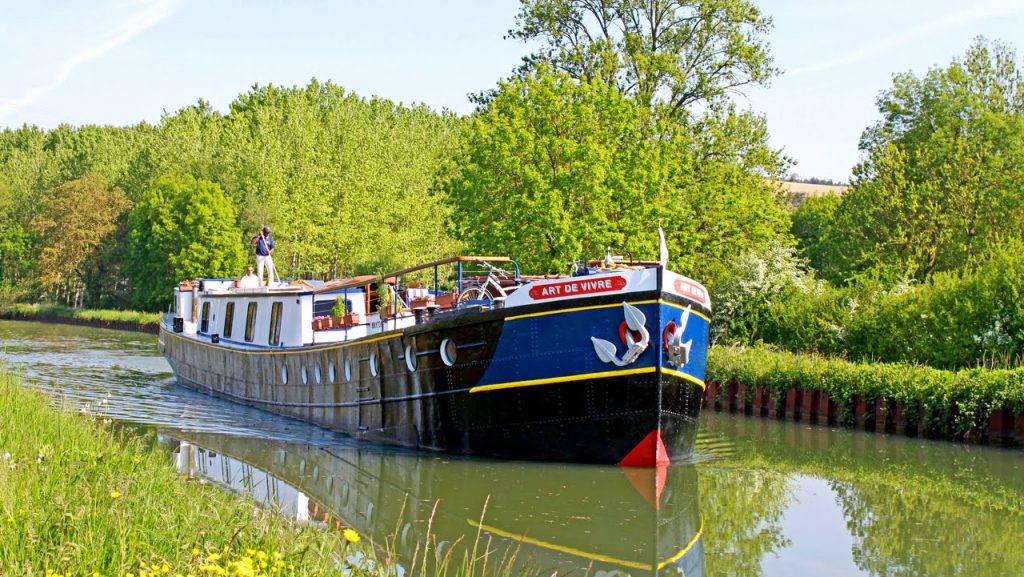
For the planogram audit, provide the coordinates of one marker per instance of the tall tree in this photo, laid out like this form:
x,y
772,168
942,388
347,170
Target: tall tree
x,y
181,228
558,169
74,222
348,184
943,170
674,52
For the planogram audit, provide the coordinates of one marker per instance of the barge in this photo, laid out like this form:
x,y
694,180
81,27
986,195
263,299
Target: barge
x,y
605,365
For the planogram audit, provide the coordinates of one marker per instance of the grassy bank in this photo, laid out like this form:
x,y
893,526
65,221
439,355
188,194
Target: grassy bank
x,y
126,320
77,499
953,400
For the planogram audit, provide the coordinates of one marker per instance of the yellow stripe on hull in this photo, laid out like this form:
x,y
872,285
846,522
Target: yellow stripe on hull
x,y
582,377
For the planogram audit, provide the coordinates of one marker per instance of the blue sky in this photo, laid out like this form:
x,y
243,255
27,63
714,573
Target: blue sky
x,y
122,61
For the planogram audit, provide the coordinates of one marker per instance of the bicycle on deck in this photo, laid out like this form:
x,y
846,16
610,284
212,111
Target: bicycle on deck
x,y
490,289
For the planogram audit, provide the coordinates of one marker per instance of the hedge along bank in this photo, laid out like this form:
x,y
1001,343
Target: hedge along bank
x,y
969,403
101,318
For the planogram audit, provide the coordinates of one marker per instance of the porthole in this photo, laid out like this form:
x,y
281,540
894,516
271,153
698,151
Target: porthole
x,y
449,352
331,373
317,373
373,363
410,357
305,376
348,371
284,374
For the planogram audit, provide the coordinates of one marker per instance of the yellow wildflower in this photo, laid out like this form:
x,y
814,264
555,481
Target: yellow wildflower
x,y
165,568
195,551
213,557
350,535
115,495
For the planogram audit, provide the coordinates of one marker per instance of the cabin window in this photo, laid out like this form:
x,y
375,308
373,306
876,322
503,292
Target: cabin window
x,y
229,319
332,372
275,323
318,373
348,371
373,363
250,321
204,324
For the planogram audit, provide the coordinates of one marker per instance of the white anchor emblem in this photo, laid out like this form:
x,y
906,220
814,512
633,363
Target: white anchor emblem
x,y
678,351
635,320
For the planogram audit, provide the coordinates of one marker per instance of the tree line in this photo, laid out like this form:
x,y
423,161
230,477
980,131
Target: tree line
x,y
620,121
592,143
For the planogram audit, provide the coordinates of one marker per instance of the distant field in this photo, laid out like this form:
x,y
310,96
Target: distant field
x,y
805,190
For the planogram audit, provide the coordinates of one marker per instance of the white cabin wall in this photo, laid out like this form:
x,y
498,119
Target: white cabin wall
x,y
302,328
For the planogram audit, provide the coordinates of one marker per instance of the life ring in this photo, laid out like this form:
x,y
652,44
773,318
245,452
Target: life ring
x,y
670,331
637,335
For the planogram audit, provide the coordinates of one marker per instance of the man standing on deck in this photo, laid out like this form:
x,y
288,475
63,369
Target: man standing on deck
x,y
264,244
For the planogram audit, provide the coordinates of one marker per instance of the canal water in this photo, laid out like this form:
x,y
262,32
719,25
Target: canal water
x,y
762,497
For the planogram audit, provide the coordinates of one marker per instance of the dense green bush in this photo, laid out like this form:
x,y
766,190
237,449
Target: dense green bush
x,y
955,401
954,320
757,285
951,321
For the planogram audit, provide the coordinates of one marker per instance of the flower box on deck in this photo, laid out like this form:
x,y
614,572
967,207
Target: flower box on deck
x,y
445,301
421,302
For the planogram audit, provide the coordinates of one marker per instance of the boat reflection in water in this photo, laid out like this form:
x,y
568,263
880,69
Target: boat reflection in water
x,y
578,519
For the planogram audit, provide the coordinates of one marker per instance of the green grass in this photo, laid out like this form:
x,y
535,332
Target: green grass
x,y
60,311
78,499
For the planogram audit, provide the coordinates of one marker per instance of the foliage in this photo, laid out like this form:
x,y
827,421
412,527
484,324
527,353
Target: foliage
x,y
674,55
317,163
340,307
314,162
556,169
954,320
758,283
942,172
74,225
812,220
43,311
817,321
181,228
387,298
78,498
957,400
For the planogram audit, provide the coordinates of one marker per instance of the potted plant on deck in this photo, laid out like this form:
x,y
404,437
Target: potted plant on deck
x,y
338,312
387,305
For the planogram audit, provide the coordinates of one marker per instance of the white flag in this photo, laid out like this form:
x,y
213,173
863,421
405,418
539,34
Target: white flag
x,y
662,248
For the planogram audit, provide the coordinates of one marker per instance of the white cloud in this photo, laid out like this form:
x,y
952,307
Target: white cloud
x,y
148,14
952,20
